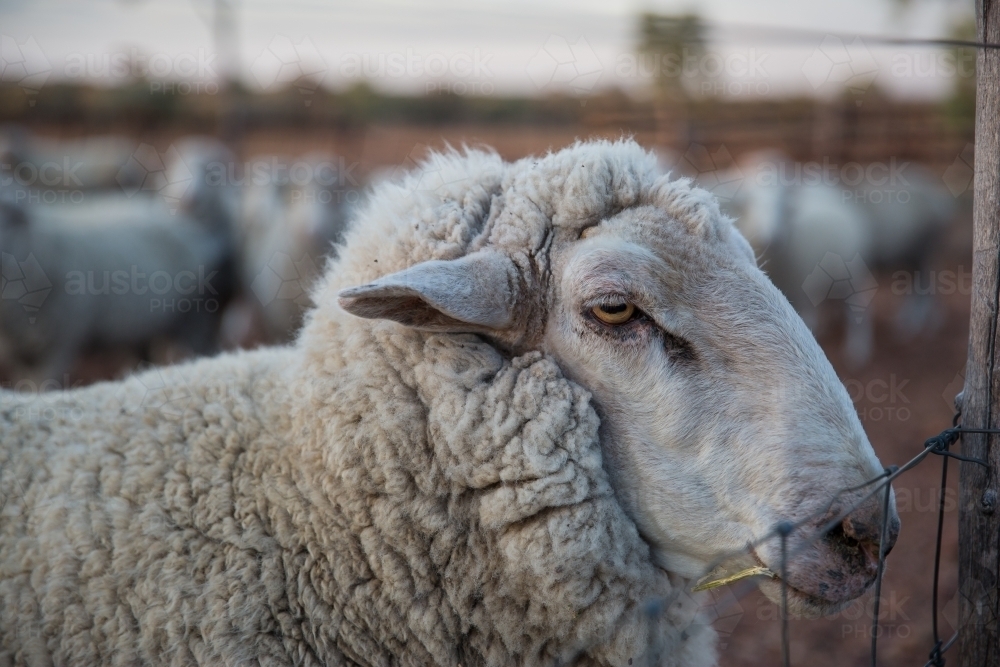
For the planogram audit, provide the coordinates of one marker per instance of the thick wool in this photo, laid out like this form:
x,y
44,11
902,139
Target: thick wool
x,y
371,495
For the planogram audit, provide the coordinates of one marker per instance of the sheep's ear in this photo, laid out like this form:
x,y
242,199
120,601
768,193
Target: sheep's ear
x,y
474,293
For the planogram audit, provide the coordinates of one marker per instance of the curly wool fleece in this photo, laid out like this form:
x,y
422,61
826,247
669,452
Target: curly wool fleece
x,y
372,495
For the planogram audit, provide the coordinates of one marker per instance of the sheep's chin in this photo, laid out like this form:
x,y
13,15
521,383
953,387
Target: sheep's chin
x,y
800,605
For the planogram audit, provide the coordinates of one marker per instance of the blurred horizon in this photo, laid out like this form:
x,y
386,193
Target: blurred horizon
x,y
517,49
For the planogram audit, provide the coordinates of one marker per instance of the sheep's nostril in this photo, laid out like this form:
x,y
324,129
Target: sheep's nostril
x,y
865,534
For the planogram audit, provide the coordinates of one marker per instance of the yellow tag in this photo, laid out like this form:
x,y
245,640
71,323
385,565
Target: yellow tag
x,y
704,584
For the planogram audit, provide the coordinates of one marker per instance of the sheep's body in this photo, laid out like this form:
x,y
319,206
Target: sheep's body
x,y
119,282
243,513
372,495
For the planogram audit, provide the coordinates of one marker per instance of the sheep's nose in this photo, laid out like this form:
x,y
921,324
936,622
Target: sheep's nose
x,y
863,527
844,563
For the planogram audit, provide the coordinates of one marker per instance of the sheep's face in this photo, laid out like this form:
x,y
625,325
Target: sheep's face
x,y
720,414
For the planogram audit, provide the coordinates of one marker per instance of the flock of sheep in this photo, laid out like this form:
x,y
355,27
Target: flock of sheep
x,y
108,243
814,230
532,404
830,234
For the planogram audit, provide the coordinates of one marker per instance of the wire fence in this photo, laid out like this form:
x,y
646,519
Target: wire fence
x,y
795,35
939,445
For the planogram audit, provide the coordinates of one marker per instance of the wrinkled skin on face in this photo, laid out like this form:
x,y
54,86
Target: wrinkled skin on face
x,y
720,414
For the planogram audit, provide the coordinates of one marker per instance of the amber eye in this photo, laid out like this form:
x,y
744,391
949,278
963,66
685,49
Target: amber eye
x,y
618,313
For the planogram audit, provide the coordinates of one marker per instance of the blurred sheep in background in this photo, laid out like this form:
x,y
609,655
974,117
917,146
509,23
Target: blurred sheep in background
x,y
118,270
820,240
87,163
288,227
180,250
263,236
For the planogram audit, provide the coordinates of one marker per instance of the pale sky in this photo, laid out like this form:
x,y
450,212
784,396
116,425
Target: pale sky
x,y
491,47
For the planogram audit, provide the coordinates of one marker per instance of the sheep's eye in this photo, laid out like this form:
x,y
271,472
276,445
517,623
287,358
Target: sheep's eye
x,y
618,313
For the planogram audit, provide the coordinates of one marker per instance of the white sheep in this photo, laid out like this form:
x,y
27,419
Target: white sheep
x,y
812,224
115,271
68,164
293,211
531,402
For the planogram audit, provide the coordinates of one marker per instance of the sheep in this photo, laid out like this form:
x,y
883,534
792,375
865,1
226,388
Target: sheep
x,y
909,218
810,228
114,271
534,402
288,226
79,164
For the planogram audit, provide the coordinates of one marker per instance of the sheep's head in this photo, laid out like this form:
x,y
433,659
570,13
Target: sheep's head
x,y
720,415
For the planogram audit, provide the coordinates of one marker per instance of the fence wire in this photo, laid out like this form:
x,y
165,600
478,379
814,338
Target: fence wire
x,y
939,445
796,36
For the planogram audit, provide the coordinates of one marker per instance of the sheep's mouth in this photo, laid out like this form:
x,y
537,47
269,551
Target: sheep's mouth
x,y
799,601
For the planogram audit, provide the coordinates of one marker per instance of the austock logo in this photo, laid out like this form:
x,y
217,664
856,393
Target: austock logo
x,y
23,64
856,618
958,177
46,182
24,282
181,73
850,281
146,388
460,72
46,406
713,73
836,63
714,171
283,62
721,608
284,278
953,389
328,173
879,399
164,174
561,64
772,173
185,291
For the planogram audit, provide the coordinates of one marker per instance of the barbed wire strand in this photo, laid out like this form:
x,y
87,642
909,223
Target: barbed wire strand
x,y
810,36
938,445
936,658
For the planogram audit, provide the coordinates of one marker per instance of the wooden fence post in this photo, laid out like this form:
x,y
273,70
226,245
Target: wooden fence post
x,y
979,520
